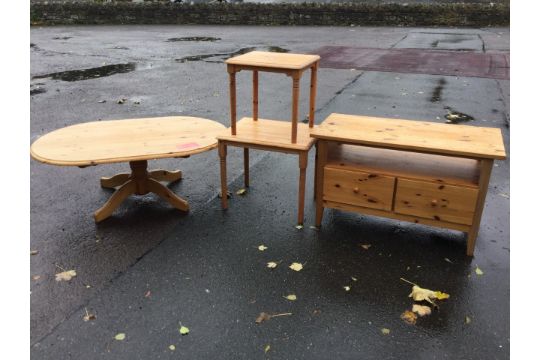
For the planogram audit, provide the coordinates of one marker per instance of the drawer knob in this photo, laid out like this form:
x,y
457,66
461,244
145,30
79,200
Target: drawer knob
x,y
356,190
433,202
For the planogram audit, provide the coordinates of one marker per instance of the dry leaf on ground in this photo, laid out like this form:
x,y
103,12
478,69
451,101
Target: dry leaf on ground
x,y
241,191
441,296
147,294
120,336
65,275
88,316
478,271
262,317
296,266
291,297
409,317
262,247
467,320
353,278
184,330
34,252
36,277
421,294
172,347
266,349
385,331
271,265
421,310
299,227
365,246
347,288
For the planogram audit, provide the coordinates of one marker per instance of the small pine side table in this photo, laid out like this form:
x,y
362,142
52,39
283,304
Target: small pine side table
x,y
270,135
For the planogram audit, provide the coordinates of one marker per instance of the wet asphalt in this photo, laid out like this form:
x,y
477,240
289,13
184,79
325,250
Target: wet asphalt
x,y
149,268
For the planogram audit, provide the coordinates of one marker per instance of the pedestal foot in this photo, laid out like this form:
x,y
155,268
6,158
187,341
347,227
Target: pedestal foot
x,y
165,175
114,181
115,200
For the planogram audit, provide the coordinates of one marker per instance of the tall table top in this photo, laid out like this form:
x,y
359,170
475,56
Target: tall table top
x,y
429,137
274,60
102,142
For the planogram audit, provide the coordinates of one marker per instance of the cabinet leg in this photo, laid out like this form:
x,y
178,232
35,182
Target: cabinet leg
x,y
222,149
302,186
246,167
322,149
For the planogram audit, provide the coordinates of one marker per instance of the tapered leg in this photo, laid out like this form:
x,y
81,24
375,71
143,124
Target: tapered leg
x,y
114,181
295,97
222,148
232,93
315,178
483,184
246,167
115,200
164,192
165,175
255,95
302,186
313,93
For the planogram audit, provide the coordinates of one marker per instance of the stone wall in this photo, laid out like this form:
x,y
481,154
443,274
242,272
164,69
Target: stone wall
x,y
271,14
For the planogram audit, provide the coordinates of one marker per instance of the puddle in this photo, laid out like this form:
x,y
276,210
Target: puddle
x,y
456,117
220,57
437,92
194,38
92,73
62,37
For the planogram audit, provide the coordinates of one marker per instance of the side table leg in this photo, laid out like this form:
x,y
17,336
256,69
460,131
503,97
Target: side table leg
x,y
313,94
295,97
322,147
483,183
115,200
303,159
222,149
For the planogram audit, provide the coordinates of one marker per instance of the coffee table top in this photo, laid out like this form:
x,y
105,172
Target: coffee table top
x,y
113,141
421,136
274,60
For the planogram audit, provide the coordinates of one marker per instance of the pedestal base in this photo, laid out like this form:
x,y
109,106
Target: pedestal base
x,y
139,182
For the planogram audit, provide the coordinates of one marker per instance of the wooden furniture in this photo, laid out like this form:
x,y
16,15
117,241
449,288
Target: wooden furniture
x,y
265,134
422,172
135,141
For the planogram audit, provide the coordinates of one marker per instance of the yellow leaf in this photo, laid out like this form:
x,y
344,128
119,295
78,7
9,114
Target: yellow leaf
x,y
291,297
365,246
172,347
262,247
299,227
347,288
33,252
271,265
120,336
385,331
353,278
409,317
296,266
262,317
420,294
241,192
478,271
467,320
66,275
266,348
421,310
441,296
184,330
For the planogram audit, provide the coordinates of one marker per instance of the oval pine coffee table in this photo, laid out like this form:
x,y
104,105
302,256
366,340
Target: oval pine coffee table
x,y
135,141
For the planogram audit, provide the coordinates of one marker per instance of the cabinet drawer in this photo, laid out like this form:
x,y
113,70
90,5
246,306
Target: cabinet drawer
x,y
358,188
428,200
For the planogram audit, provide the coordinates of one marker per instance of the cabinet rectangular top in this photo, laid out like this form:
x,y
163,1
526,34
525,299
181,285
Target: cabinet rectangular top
x,y
274,60
420,136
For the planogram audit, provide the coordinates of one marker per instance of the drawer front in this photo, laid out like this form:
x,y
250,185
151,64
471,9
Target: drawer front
x,y
450,203
358,188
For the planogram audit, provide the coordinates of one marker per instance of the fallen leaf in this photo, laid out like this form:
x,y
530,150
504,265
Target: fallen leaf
x,y
296,266
314,228
316,312
299,227
271,265
36,277
409,317
365,246
262,247
421,310
184,330
353,278
467,320
441,296
420,294
172,347
448,260
121,101
385,331
262,317
34,252
241,192
147,294
88,316
478,271
504,195
102,101
347,288
65,275
88,286
291,297
266,348
120,336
